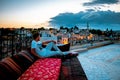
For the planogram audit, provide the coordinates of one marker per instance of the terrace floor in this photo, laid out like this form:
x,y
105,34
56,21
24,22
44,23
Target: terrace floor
x,y
101,63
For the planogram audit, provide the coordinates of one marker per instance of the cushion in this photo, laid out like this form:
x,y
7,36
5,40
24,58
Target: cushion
x,y
22,61
9,70
27,55
43,69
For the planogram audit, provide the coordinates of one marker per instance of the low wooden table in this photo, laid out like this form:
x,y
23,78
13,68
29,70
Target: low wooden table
x,y
62,47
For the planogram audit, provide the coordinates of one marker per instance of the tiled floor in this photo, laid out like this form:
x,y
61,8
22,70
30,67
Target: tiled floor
x,y
102,63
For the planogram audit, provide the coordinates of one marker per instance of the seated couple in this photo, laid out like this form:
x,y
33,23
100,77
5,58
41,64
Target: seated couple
x,y
39,51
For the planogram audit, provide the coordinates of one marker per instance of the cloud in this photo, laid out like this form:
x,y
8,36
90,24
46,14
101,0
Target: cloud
x,y
91,16
96,2
90,10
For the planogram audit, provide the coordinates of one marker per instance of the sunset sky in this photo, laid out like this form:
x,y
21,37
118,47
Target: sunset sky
x,y
56,13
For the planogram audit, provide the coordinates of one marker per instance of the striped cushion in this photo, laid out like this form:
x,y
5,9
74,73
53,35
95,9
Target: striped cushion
x,y
13,65
22,61
8,71
4,71
28,55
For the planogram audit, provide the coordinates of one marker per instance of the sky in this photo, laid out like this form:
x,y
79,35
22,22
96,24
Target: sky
x,y
100,14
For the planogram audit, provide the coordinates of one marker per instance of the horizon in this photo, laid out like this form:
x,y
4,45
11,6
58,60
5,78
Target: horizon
x,y
11,28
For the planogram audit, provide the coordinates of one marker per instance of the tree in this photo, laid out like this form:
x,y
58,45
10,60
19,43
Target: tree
x,y
111,31
42,28
66,29
107,30
22,28
51,28
61,27
75,27
71,29
98,32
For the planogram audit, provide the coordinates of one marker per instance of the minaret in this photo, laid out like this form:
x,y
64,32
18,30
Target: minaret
x,y
87,31
87,25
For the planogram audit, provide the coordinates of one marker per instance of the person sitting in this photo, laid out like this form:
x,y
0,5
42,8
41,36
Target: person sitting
x,y
39,51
